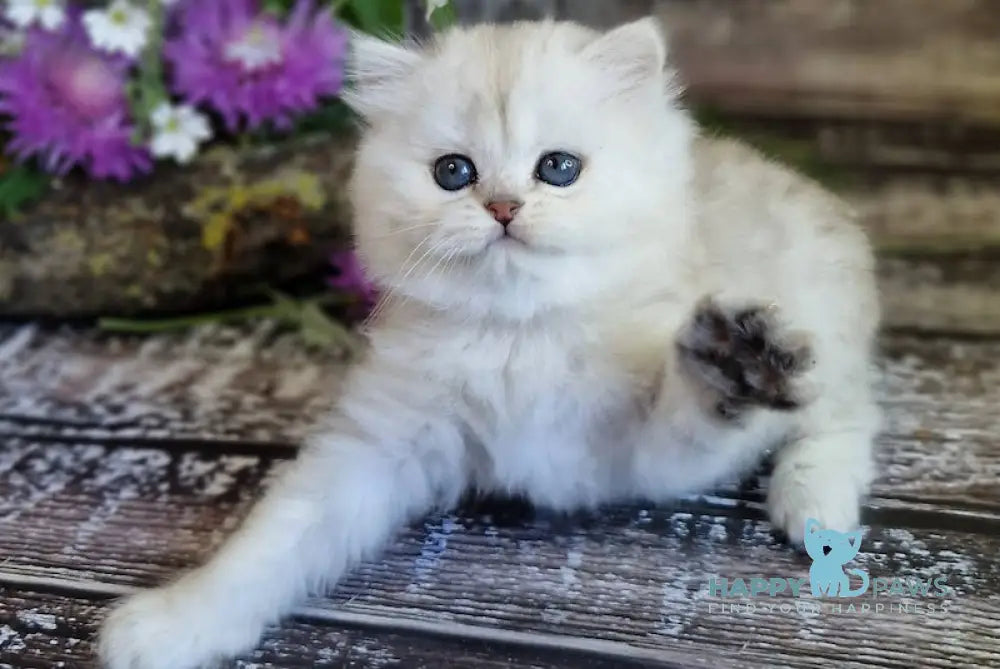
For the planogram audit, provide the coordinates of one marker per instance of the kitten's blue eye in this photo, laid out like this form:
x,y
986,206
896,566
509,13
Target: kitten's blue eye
x,y
558,168
454,172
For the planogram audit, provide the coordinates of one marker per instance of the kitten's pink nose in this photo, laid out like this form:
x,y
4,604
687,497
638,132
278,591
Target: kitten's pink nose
x,y
504,212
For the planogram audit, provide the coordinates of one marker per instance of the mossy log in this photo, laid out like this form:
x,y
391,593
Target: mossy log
x,y
187,238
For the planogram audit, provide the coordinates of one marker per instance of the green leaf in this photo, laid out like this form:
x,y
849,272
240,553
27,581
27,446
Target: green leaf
x,y
444,17
20,185
379,17
366,14
277,7
306,316
330,117
320,330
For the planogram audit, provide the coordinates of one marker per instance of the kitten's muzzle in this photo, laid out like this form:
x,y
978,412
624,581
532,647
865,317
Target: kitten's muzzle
x,y
504,211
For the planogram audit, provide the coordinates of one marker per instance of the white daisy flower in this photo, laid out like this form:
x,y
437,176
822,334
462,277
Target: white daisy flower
x,y
434,5
122,27
257,48
177,131
49,14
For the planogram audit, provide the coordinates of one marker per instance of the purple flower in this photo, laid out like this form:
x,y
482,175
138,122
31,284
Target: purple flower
x,y
349,277
251,68
67,105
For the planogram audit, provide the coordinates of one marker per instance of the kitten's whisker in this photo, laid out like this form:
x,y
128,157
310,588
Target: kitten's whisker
x,y
413,252
452,261
392,286
431,249
406,229
399,281
443,259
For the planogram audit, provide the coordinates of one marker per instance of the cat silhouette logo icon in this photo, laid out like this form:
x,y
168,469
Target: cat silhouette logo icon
x,y
830,551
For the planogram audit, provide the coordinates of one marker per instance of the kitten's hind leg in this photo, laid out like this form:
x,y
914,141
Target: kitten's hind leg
x,y
334,506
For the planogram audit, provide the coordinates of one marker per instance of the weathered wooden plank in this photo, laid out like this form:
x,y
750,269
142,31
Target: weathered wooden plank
x,y
75,499
44,630
892,59
898,59
259,395
929,191
925,195
854,152
944,293
88,500
630,575
928,215
940,426
213,382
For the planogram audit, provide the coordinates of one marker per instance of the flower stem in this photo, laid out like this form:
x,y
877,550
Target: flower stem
x,y
283,309
149,89
185,322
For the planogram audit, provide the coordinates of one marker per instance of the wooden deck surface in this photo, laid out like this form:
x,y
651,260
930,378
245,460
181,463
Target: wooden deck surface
x,y
124,460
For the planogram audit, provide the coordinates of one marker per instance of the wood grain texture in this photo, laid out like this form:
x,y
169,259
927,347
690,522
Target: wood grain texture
x,y
217,383
923,214
94,499
918,188
43,630
892,59
633,576
258,394
899,60
943,293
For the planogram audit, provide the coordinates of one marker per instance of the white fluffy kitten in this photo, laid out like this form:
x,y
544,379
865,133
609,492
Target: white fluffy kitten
x,y
644,330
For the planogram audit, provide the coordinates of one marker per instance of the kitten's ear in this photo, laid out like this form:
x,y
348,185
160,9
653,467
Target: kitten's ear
x,y
375,69
854,539
633,54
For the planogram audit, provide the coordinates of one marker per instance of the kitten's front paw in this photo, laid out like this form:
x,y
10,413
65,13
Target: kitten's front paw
x,y
149,631
798,493
744,357
166,628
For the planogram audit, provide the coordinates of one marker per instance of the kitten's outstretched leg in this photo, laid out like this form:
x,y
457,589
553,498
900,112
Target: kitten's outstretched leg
x,y
825,471
747,360
384,460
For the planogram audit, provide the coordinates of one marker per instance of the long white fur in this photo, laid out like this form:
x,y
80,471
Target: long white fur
x,y
546,368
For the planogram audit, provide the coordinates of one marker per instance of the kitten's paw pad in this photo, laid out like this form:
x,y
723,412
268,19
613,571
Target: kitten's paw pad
x,y
745,356
799,494
156,629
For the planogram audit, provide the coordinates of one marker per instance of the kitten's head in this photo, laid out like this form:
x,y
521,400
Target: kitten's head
x,y
509,170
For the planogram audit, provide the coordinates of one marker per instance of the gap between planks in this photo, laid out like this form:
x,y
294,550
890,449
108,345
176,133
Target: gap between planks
x,y
278,450
745,501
